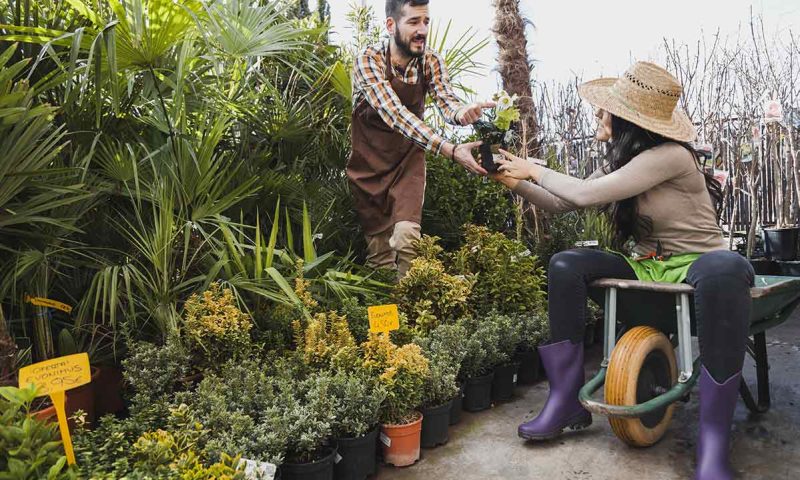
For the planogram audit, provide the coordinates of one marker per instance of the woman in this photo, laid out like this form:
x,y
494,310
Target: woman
x,y
661,201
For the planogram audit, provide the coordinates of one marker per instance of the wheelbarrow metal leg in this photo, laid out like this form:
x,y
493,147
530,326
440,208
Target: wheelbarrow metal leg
x,y
610,319
685,359
757,348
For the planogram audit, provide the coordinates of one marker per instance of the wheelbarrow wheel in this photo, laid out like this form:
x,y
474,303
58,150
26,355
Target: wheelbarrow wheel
x,y
642,366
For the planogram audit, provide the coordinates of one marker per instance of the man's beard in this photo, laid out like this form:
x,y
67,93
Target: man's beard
x,y
405,47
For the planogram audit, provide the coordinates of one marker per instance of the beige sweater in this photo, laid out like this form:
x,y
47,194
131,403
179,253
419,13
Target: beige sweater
x,y
668,186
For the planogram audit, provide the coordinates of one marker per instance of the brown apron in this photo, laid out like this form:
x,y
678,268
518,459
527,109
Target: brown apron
x,y
387,170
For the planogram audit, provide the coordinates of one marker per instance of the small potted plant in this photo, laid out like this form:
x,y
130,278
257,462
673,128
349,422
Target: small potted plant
x,y
445,350
496,132
477,367
507,334
534,330
355,426
308,410
402,372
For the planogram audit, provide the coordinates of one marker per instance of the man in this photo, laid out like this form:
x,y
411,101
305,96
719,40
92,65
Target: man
x,y
389,137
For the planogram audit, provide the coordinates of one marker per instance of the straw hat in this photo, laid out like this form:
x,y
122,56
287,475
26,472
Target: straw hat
x,y
646,95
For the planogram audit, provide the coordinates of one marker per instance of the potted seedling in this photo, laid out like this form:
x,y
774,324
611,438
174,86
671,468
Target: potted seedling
x,y
495,132
356,418
402,372
445,350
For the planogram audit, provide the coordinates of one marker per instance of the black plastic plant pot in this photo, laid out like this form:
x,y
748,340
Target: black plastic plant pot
x,y
765,266
319,470
528,372
505,378
781,243
791,269
488,151
456,406
478,393
435,424
358,457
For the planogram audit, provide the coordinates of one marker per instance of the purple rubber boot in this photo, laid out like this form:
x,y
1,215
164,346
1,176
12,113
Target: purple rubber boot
x,y
563,362
717,403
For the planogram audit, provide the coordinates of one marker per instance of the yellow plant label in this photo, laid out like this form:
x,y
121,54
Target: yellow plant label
x,y
46,302
383,318
53,377
57,374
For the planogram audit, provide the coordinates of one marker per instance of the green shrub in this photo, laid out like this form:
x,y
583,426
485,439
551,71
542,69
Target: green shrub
x,y
507,276
308,408
534,330
152,370
325,341
445,349
492,343
401,371
30,449
214,328
454,198
428,295
358,402
239,406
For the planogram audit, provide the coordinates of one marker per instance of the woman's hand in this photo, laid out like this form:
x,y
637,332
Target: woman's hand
x,y
519,168
509,182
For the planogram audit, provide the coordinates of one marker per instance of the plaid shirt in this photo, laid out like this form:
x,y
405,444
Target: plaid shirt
x,y
370,85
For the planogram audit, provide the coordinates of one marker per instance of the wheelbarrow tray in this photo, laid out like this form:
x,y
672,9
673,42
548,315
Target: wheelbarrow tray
x,y
653,304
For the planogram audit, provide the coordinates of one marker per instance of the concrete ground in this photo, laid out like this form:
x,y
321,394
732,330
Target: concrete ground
x,y
485,445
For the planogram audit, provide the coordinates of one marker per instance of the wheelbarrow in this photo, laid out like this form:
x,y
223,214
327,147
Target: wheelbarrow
x,y
643,376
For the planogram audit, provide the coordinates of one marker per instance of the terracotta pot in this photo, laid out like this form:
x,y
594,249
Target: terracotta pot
x,y
81,398
401,443
108,391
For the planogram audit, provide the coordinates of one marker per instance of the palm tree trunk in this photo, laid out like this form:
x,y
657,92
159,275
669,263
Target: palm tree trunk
x,y
515,68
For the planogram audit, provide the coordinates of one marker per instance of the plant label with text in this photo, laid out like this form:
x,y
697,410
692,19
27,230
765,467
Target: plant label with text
x,y
54,377
383,318
57,374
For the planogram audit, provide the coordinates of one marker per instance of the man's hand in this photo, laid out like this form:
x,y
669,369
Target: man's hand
x,y
472,112
462,154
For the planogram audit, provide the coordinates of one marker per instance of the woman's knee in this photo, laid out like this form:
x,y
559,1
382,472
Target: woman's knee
x,y
722,263
567,263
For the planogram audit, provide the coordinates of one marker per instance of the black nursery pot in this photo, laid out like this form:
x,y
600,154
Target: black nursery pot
x,y
320,470
781,243
456,406
487,156
478,393
504,382
358,457
435,422
528,372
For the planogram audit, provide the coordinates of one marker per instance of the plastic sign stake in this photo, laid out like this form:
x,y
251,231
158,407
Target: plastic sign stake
x,y
383,318
54,377
46,302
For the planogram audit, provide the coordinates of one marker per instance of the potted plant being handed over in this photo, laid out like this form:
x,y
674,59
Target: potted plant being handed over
x,y
496,132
